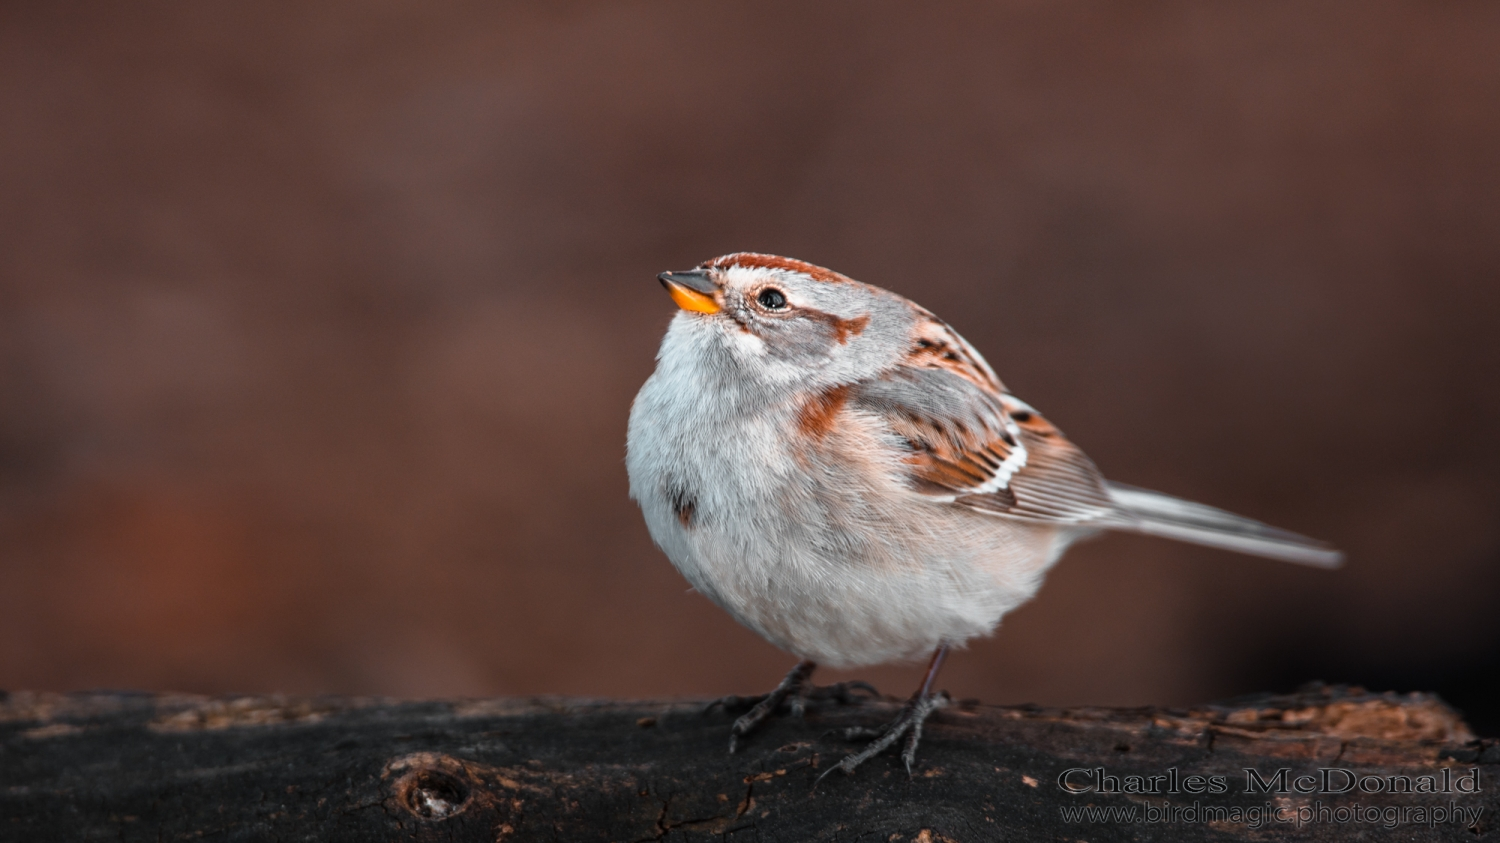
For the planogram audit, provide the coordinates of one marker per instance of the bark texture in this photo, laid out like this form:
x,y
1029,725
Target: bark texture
x,y
125,766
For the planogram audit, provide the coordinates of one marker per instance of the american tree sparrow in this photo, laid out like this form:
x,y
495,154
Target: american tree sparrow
x,y
840,471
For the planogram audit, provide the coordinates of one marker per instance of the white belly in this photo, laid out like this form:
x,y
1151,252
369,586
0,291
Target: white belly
x,y
851,609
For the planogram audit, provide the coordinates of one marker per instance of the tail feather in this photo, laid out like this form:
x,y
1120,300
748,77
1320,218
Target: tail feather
x,y
1156,514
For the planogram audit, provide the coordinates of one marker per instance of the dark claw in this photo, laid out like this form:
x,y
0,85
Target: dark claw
x,y
793,694
767,704
909,722
869,689
843,693
914,737
732,704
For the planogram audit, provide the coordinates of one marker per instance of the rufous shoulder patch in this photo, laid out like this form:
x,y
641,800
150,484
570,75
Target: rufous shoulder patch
x,y
817,415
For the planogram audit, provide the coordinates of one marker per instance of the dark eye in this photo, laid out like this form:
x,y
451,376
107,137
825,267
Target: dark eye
x,y
771,299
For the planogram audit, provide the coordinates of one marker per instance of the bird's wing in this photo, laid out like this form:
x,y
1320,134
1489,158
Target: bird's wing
x,y
965,439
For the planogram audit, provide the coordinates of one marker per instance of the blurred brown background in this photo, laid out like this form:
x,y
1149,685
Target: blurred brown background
x,y
319,324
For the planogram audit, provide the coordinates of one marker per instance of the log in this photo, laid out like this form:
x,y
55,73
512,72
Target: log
x,y
133,766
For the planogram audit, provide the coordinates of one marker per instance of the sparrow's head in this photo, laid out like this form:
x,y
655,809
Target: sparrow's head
x,y
780,320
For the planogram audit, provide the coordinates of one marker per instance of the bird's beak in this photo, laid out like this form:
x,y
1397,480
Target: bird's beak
x,y
692,289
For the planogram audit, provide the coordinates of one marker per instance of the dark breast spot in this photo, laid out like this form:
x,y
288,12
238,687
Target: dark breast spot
x,y
684,504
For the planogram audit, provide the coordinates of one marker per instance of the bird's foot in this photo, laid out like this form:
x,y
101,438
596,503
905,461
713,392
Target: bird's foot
x,y
793,694
843,693
909,723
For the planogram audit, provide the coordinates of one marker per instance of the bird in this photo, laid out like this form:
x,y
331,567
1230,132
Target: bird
x,y
840,471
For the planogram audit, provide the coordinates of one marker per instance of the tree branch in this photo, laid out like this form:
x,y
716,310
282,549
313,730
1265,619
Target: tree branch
x,y
149,767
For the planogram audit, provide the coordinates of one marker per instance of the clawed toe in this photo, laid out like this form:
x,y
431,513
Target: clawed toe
x,y
734,704
843,693
909,723
795,694
764,706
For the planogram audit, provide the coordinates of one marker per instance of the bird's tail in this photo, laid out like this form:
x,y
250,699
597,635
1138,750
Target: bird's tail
x,y
1156,514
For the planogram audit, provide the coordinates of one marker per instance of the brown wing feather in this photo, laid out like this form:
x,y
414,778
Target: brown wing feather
x,y
950,456
962,432
1058,482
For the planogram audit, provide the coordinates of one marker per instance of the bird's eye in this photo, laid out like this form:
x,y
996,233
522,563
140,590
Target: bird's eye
x,y
771,299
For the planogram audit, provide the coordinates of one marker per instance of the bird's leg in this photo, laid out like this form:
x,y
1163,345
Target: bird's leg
x,y
795,691
909,722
